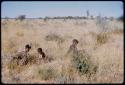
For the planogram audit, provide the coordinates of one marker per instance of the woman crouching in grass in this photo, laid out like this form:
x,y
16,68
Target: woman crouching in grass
x,y
42,57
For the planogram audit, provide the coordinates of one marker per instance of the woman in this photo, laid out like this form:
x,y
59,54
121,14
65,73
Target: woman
x,y
41,56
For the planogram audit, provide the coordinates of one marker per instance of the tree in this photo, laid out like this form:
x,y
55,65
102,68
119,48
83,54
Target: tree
x,y
84,17
6,18
21,17
111,18
121,18
87,12
40,18
92,17
46,18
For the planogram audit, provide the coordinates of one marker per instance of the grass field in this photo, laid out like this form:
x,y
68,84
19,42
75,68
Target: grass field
x,y
105,50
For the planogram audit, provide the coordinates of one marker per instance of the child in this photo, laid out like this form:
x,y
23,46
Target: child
x,y
21,57
41,55
73,47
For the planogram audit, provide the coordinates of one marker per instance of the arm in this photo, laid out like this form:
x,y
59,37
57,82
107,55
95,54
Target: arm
x,y
69,50
43,55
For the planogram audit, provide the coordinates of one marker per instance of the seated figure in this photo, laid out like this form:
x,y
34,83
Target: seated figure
x,y
21,57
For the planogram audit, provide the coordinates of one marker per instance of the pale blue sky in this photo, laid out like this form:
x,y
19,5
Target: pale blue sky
x,y
35,9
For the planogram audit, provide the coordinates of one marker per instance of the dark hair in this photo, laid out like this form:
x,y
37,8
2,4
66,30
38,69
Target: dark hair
x,y
75,40
39,50
28,46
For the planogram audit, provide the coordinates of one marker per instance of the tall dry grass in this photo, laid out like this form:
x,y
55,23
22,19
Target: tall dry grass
x,y
55,37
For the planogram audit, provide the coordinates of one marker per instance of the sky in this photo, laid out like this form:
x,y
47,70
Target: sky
x,y
36,9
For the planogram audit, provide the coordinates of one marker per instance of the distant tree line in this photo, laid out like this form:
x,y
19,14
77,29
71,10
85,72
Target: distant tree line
x,y
22,17
65,17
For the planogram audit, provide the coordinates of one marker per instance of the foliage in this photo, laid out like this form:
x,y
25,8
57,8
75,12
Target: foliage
x,y
81,62
21,17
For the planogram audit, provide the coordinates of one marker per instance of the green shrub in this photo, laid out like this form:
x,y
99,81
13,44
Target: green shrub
x,y
82,63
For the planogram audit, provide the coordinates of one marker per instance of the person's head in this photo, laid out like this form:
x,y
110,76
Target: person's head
x,y
75,41
39,50
27,47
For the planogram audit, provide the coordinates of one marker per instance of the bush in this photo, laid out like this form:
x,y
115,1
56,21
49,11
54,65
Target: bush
x,y
6,18
82,62
54,37
21,17
46,19
102,38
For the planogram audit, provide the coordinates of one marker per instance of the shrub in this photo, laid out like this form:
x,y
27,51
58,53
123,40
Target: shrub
x,y
46,19
54,37
40,18
6,18
21,17
102,38
84,17
82,62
